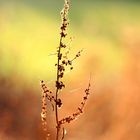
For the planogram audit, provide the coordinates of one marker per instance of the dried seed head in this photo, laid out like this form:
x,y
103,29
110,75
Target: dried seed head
x,y
79,111
64,17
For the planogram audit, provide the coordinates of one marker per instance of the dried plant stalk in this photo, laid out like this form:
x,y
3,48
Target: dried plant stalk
x,y
62,62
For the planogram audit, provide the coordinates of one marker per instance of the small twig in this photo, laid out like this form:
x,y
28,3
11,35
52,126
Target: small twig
x,y
63,133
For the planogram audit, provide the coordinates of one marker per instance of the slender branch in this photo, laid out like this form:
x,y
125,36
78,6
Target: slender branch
x,y
63,133
57,89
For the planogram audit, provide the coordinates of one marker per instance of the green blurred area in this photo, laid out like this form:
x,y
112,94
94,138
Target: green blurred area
x,y
30,32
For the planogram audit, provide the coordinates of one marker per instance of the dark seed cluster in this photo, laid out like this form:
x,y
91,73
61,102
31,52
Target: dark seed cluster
x,y
59,102
60,85
61,57
64,17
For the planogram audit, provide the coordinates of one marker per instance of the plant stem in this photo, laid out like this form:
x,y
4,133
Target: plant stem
x,y
57,90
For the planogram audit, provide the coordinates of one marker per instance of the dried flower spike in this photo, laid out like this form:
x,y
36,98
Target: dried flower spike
x,y
63,62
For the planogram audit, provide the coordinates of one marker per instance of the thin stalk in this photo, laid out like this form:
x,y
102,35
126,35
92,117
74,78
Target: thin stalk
x,y
63,28
56,94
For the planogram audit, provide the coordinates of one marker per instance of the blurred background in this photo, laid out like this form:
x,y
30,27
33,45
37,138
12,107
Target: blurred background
x,y
109,33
